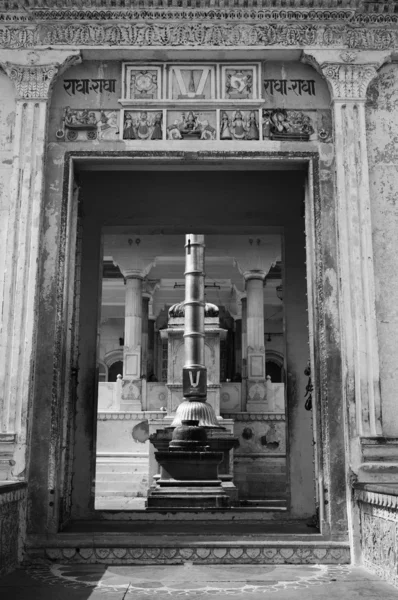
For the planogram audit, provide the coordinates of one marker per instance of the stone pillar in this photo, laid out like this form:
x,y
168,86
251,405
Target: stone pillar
x,y
244,338
348,83
256,388
151,347
131,395
238,346
144,336
33,74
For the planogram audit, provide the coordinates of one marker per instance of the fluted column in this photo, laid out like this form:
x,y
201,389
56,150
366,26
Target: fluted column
x,y
144,341
132,328
244,338
33,75
238,346
256,388
348,83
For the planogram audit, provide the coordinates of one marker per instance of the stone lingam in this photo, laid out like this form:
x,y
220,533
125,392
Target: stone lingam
x,y
189,472
189,468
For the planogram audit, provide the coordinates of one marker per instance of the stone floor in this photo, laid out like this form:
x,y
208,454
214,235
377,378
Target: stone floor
x,y
238,582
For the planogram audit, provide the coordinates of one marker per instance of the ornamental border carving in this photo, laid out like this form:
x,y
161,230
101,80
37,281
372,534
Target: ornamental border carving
x,y
255,416
378,499
12,495
130,416
197,29
255,553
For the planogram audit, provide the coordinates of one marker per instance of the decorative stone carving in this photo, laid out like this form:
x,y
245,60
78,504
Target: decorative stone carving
x,y
191,125
349,81
32,82
238,83
131,390
239,125
11,497
178,310
379,533
192,82
262,553
143,83
196,30
86,124
143,125
282,124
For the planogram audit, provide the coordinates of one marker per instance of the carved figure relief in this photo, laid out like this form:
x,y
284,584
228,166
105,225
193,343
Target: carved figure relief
x,y
191,125
281,124
143,125
143,83
239,125
87,124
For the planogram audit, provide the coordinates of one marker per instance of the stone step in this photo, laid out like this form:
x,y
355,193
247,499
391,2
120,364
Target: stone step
x,y
207,547
118,486
117,476
127,493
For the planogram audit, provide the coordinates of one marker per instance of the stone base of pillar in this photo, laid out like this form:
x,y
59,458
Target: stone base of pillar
x,y
256,398
7,446
219,439
131,399
171,494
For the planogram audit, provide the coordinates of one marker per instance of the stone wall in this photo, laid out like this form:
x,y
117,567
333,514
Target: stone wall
x,y
382,137
12,525
379,529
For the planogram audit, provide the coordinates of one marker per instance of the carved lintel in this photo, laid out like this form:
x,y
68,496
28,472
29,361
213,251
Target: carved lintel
x,y
34,81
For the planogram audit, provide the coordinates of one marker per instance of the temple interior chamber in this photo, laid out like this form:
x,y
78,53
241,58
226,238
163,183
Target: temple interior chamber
x,y
133,226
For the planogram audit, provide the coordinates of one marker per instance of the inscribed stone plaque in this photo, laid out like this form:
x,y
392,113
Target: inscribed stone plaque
x,y
293,85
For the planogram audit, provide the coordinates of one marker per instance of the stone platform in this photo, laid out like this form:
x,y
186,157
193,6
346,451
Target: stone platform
x,y
169,541
251,582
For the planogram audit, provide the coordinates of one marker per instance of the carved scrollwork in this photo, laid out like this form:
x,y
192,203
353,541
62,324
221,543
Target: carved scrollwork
x,y
32,82
197,28
349,81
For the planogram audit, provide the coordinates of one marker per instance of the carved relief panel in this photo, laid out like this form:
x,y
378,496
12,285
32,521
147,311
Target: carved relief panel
x,y
187,82
196,102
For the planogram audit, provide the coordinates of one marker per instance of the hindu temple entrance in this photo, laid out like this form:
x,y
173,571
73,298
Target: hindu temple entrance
x,y
133,224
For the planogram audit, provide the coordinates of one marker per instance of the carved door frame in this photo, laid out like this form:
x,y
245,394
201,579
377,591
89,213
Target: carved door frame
x,y
324,409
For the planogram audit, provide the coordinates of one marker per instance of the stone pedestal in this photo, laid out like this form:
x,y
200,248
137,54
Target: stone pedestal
x,y
188,472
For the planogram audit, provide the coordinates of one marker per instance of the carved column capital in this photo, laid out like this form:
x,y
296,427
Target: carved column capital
x,y
348,81
33,80
348,74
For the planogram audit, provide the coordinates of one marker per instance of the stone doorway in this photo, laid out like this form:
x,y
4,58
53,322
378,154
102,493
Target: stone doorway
x,y
250,204
285,192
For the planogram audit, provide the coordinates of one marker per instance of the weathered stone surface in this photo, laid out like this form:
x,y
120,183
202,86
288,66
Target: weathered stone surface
x,y
382,124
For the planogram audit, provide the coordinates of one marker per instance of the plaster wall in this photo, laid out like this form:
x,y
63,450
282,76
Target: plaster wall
x,y
382,137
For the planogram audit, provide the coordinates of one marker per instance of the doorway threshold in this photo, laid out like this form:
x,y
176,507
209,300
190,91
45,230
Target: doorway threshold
x,y
150,543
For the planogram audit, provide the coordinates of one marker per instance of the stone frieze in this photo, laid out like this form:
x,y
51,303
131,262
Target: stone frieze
x,y
195,30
